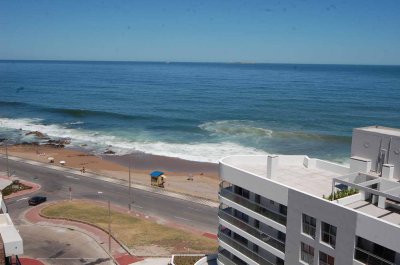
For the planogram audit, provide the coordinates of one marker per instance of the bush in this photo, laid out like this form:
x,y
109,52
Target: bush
x,y
341,194
14,187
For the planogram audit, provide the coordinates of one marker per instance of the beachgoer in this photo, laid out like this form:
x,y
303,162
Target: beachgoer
x,y
83,169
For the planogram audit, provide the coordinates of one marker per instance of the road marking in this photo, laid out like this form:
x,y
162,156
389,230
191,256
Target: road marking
x,y
177,217
72,177
22,199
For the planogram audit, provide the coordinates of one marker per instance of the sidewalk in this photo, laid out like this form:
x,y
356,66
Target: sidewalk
x,y
118,253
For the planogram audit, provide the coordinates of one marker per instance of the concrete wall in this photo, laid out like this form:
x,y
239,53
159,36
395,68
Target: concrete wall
x,y
367,144
257,184
323,210
378,231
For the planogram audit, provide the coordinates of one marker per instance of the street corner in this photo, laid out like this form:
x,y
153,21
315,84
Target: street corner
x,y
34,187
30,261
209,235
126,259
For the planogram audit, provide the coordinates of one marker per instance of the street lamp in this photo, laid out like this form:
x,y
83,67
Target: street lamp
x,y
109,223
7,163
131,200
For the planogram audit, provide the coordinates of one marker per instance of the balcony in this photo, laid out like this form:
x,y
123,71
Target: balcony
x,y
243,249
253,206
223,257
252,230
369,258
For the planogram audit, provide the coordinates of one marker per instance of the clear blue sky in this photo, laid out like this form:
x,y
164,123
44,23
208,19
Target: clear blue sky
x,y
348,32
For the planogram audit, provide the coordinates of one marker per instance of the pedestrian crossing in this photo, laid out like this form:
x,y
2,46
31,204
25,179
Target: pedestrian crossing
x,y
160,191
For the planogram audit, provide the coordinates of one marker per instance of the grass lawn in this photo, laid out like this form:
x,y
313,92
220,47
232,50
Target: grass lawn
x,y
132,231
186,260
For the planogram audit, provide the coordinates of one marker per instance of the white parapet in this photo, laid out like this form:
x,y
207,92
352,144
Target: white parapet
x,y
11,238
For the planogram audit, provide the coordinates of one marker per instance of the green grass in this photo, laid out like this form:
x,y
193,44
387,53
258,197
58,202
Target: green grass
x,y
133,231
186,260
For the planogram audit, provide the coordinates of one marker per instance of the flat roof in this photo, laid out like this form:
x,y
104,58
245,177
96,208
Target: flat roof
x,y
381,130
390,215
290,171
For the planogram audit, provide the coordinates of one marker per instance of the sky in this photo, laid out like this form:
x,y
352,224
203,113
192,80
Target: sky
x,y
251,31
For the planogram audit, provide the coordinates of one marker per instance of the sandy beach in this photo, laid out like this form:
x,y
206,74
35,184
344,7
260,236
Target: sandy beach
x,y
205,175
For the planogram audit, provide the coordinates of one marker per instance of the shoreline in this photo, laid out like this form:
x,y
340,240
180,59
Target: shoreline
x,y
205,181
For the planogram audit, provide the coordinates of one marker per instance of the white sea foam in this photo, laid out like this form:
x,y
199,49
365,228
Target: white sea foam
x,y
236,128
203,152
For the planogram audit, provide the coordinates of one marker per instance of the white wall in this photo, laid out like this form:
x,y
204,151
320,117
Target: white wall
x,y
323,210
378,231
257,184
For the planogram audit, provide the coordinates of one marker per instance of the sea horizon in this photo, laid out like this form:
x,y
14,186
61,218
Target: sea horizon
x,y
192,62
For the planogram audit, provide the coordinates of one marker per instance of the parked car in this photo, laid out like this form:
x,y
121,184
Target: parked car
x,y
37,200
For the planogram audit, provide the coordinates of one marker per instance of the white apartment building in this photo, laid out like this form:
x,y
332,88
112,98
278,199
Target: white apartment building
x,y
273,210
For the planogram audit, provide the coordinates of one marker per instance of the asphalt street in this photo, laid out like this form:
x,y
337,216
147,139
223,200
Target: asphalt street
x,y
55,185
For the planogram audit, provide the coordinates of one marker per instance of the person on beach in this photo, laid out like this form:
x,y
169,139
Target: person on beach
x,y
83,170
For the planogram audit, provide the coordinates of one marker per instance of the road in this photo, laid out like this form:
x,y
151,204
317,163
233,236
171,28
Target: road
x,y
55,185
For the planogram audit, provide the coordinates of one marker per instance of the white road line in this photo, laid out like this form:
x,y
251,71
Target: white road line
x,y
72,177
177,217
22,199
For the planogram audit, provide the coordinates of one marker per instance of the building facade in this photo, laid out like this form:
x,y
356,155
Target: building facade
x,y
280,209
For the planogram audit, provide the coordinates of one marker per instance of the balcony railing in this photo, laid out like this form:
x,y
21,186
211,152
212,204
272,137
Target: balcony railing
x,y
227,261
369,258
243,249
253,206
252,231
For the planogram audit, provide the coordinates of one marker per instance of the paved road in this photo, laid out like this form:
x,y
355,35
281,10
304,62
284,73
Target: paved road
x,y
55,185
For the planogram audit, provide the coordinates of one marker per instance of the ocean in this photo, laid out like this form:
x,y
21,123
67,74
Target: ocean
x,y
197,111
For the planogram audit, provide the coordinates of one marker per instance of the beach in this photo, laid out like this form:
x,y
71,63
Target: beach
x,y
205,175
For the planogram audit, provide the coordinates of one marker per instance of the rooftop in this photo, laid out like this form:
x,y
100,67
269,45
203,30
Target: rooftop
x,y
311,176
382,130
390,215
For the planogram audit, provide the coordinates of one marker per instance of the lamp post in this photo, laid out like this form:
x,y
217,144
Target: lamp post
x,y
130,188
109,223
109,227
7,164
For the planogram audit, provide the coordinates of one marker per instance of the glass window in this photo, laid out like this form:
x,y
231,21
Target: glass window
x,y
328,234
325,259
307,253
369,252
309,225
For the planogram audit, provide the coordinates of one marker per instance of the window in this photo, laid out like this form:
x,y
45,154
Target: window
x,y
283,209
255,248
242,192
325,259
369,252
307,253
256,223
257,198
309,225
328,234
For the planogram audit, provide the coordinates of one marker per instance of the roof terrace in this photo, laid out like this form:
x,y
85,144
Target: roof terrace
x,y
309,175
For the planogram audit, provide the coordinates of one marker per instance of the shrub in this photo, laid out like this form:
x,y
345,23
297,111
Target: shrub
x,y
341,194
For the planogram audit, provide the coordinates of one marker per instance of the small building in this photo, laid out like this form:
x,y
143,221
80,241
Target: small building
x,y
157,179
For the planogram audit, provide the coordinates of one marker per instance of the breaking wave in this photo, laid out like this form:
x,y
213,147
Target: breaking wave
x,y
99,141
